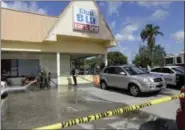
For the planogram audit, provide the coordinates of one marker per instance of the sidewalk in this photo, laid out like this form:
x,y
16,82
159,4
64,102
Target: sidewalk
x,y
165,110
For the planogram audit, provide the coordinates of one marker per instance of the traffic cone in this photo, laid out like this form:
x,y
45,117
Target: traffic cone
x,y
97,81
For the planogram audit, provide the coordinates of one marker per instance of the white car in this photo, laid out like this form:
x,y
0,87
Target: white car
x,y
173,75
4,98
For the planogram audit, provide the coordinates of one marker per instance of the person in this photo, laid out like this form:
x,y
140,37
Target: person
x,y
43,78
40,80
74,74
49,79
148,68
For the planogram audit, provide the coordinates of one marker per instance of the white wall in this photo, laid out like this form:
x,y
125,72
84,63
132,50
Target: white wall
x,y
64,64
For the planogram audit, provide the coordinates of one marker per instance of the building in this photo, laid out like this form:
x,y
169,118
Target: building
x,y
175,59
30,41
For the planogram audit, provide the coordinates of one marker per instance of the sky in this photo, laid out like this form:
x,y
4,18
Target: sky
x,y
126,20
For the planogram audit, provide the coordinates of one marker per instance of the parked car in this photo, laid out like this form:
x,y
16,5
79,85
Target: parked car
x,y
82,71
4,98
180,114
173,75
132,78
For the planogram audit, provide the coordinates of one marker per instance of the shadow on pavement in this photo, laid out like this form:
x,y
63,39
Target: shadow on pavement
x,y
123,91
165,92
173,87
159,124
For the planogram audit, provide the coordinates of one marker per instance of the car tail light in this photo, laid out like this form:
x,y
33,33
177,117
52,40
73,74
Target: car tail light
x,y
182,99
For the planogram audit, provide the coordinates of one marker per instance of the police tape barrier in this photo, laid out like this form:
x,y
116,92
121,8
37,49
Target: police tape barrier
x,y
110,113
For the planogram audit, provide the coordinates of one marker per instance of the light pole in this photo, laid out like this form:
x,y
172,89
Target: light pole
x,y
133,56
163,59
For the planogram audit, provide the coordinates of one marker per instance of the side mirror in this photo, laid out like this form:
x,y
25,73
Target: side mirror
x,y
122,73
4,95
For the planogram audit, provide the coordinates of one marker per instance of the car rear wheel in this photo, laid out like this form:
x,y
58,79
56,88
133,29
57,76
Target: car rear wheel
x,y
134,90
103,85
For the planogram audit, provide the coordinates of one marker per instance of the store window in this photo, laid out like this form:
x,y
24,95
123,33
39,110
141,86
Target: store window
x,y
169,60
179,60
14,68
19,68
9,67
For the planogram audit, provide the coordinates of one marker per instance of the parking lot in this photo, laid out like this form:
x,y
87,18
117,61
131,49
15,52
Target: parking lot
x,y
122,96
37,108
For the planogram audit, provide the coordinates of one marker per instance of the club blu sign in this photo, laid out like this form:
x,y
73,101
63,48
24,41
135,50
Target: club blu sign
x,y
85,19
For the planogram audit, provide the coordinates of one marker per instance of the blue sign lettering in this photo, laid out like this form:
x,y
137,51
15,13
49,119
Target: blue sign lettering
x,y
92,13
86,16
93,20
86,12
80,18
81,11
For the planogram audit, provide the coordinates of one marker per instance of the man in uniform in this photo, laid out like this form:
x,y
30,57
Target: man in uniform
x,y
74,74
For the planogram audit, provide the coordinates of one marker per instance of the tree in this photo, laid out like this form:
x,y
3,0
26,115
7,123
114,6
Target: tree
x,y
158,55
96,61
116,58
141,60
143,57
149,34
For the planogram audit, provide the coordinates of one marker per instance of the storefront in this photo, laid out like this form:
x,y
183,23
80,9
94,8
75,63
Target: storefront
x,y
30,41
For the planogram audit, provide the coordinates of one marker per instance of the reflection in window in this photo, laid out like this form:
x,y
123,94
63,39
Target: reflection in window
x,y
169,60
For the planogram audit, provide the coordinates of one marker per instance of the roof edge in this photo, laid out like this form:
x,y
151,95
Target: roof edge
x,y
105,21
29,12
20,41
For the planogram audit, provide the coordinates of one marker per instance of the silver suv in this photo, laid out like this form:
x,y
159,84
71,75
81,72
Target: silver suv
x,y
132,78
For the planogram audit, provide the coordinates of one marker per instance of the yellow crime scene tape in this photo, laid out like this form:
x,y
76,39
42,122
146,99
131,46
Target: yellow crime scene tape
x,y
110,113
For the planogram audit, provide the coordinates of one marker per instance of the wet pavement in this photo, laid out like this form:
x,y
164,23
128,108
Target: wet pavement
x,y
36,108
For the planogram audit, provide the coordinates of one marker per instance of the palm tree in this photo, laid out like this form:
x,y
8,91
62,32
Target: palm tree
x,y
149,34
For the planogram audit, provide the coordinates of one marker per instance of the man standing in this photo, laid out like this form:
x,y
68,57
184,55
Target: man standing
x,y
74,74
49,79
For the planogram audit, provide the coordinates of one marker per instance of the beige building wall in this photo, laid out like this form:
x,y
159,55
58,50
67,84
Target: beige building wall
x,y
23,26
64,46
